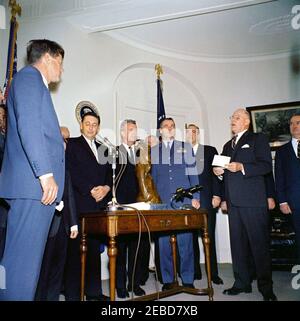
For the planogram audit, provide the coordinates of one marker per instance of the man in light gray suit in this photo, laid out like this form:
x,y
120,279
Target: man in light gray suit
x,y
33,168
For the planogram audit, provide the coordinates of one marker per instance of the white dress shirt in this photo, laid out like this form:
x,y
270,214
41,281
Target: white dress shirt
x,y
128,148
239,135
195,148
295,145
93,146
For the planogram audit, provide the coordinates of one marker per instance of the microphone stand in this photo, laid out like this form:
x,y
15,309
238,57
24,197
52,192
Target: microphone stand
x,y
113,152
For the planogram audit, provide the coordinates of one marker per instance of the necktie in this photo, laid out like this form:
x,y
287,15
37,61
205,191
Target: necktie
x,y
94,149
298,149
233,141
131,155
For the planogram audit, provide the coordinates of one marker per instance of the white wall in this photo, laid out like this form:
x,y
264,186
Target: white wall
x,y
4,34
114,76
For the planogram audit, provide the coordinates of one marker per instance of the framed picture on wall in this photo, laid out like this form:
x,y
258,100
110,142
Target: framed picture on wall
x,y
273,120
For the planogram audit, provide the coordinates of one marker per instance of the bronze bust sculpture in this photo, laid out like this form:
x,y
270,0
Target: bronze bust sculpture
x,y
147,189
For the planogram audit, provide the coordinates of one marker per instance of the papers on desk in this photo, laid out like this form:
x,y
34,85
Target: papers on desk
x,y
139,206
221,161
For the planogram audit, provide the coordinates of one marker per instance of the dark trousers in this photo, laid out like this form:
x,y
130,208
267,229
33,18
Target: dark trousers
x,y
71,282
3,223
250,234
51,275
296,225
212,214
145,257
127,248
2,240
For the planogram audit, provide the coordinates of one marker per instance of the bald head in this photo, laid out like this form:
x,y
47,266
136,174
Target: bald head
x,y
240,121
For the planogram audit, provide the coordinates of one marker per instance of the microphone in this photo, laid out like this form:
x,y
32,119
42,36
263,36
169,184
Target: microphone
x,y
105,141
137,142
181,193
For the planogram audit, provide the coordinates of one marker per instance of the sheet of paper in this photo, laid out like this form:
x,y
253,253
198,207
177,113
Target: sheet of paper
x,y
220,160
138,206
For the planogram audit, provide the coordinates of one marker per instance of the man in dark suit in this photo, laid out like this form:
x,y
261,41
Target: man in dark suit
x,y
210,198
127,191
91,177
173,166
287,177
246,201
63,226
32,174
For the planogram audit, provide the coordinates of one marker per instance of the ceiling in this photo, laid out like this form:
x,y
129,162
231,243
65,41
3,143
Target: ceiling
x,y
193,30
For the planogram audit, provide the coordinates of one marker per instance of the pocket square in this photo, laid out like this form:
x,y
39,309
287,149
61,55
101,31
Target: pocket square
x,y
245,146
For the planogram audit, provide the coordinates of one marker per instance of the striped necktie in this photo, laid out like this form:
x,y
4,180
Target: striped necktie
x,y
168,146
131,155
298,149
233,141
94,149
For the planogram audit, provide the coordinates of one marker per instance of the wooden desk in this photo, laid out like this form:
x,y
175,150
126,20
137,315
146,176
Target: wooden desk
x,y
113,223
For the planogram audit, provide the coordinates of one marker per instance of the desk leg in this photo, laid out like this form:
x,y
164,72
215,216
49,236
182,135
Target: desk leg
x,y
206,245
112,254
174,255
83,250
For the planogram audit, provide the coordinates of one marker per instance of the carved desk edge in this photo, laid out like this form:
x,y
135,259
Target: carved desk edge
x,y
112,223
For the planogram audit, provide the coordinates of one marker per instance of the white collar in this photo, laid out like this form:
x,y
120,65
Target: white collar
x,y
45,80
239,135
168,141
89,141
128,147
195,147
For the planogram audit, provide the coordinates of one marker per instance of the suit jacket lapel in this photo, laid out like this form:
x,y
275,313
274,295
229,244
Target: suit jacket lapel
x,y
87,147
240,143
292,152
200,152
122,155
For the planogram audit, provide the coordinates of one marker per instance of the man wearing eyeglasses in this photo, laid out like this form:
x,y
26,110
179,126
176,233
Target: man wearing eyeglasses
x,y
246,200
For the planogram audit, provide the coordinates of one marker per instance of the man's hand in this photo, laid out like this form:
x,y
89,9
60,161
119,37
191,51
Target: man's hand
x,y
218,171
215,202
271,203
195,203
235,167
99,192
50,190
285,208
73,234
224,206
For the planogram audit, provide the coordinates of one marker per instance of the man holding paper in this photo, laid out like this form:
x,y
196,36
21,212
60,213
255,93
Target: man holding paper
x,y
246,201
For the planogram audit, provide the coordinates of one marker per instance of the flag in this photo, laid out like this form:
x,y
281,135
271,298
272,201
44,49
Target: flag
x,y
161,114
11,67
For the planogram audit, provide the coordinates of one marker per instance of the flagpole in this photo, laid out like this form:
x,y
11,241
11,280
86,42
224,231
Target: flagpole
x,y
11,67
161,114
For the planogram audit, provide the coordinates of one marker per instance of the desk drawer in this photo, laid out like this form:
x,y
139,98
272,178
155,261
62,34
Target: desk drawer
x,y
160,223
